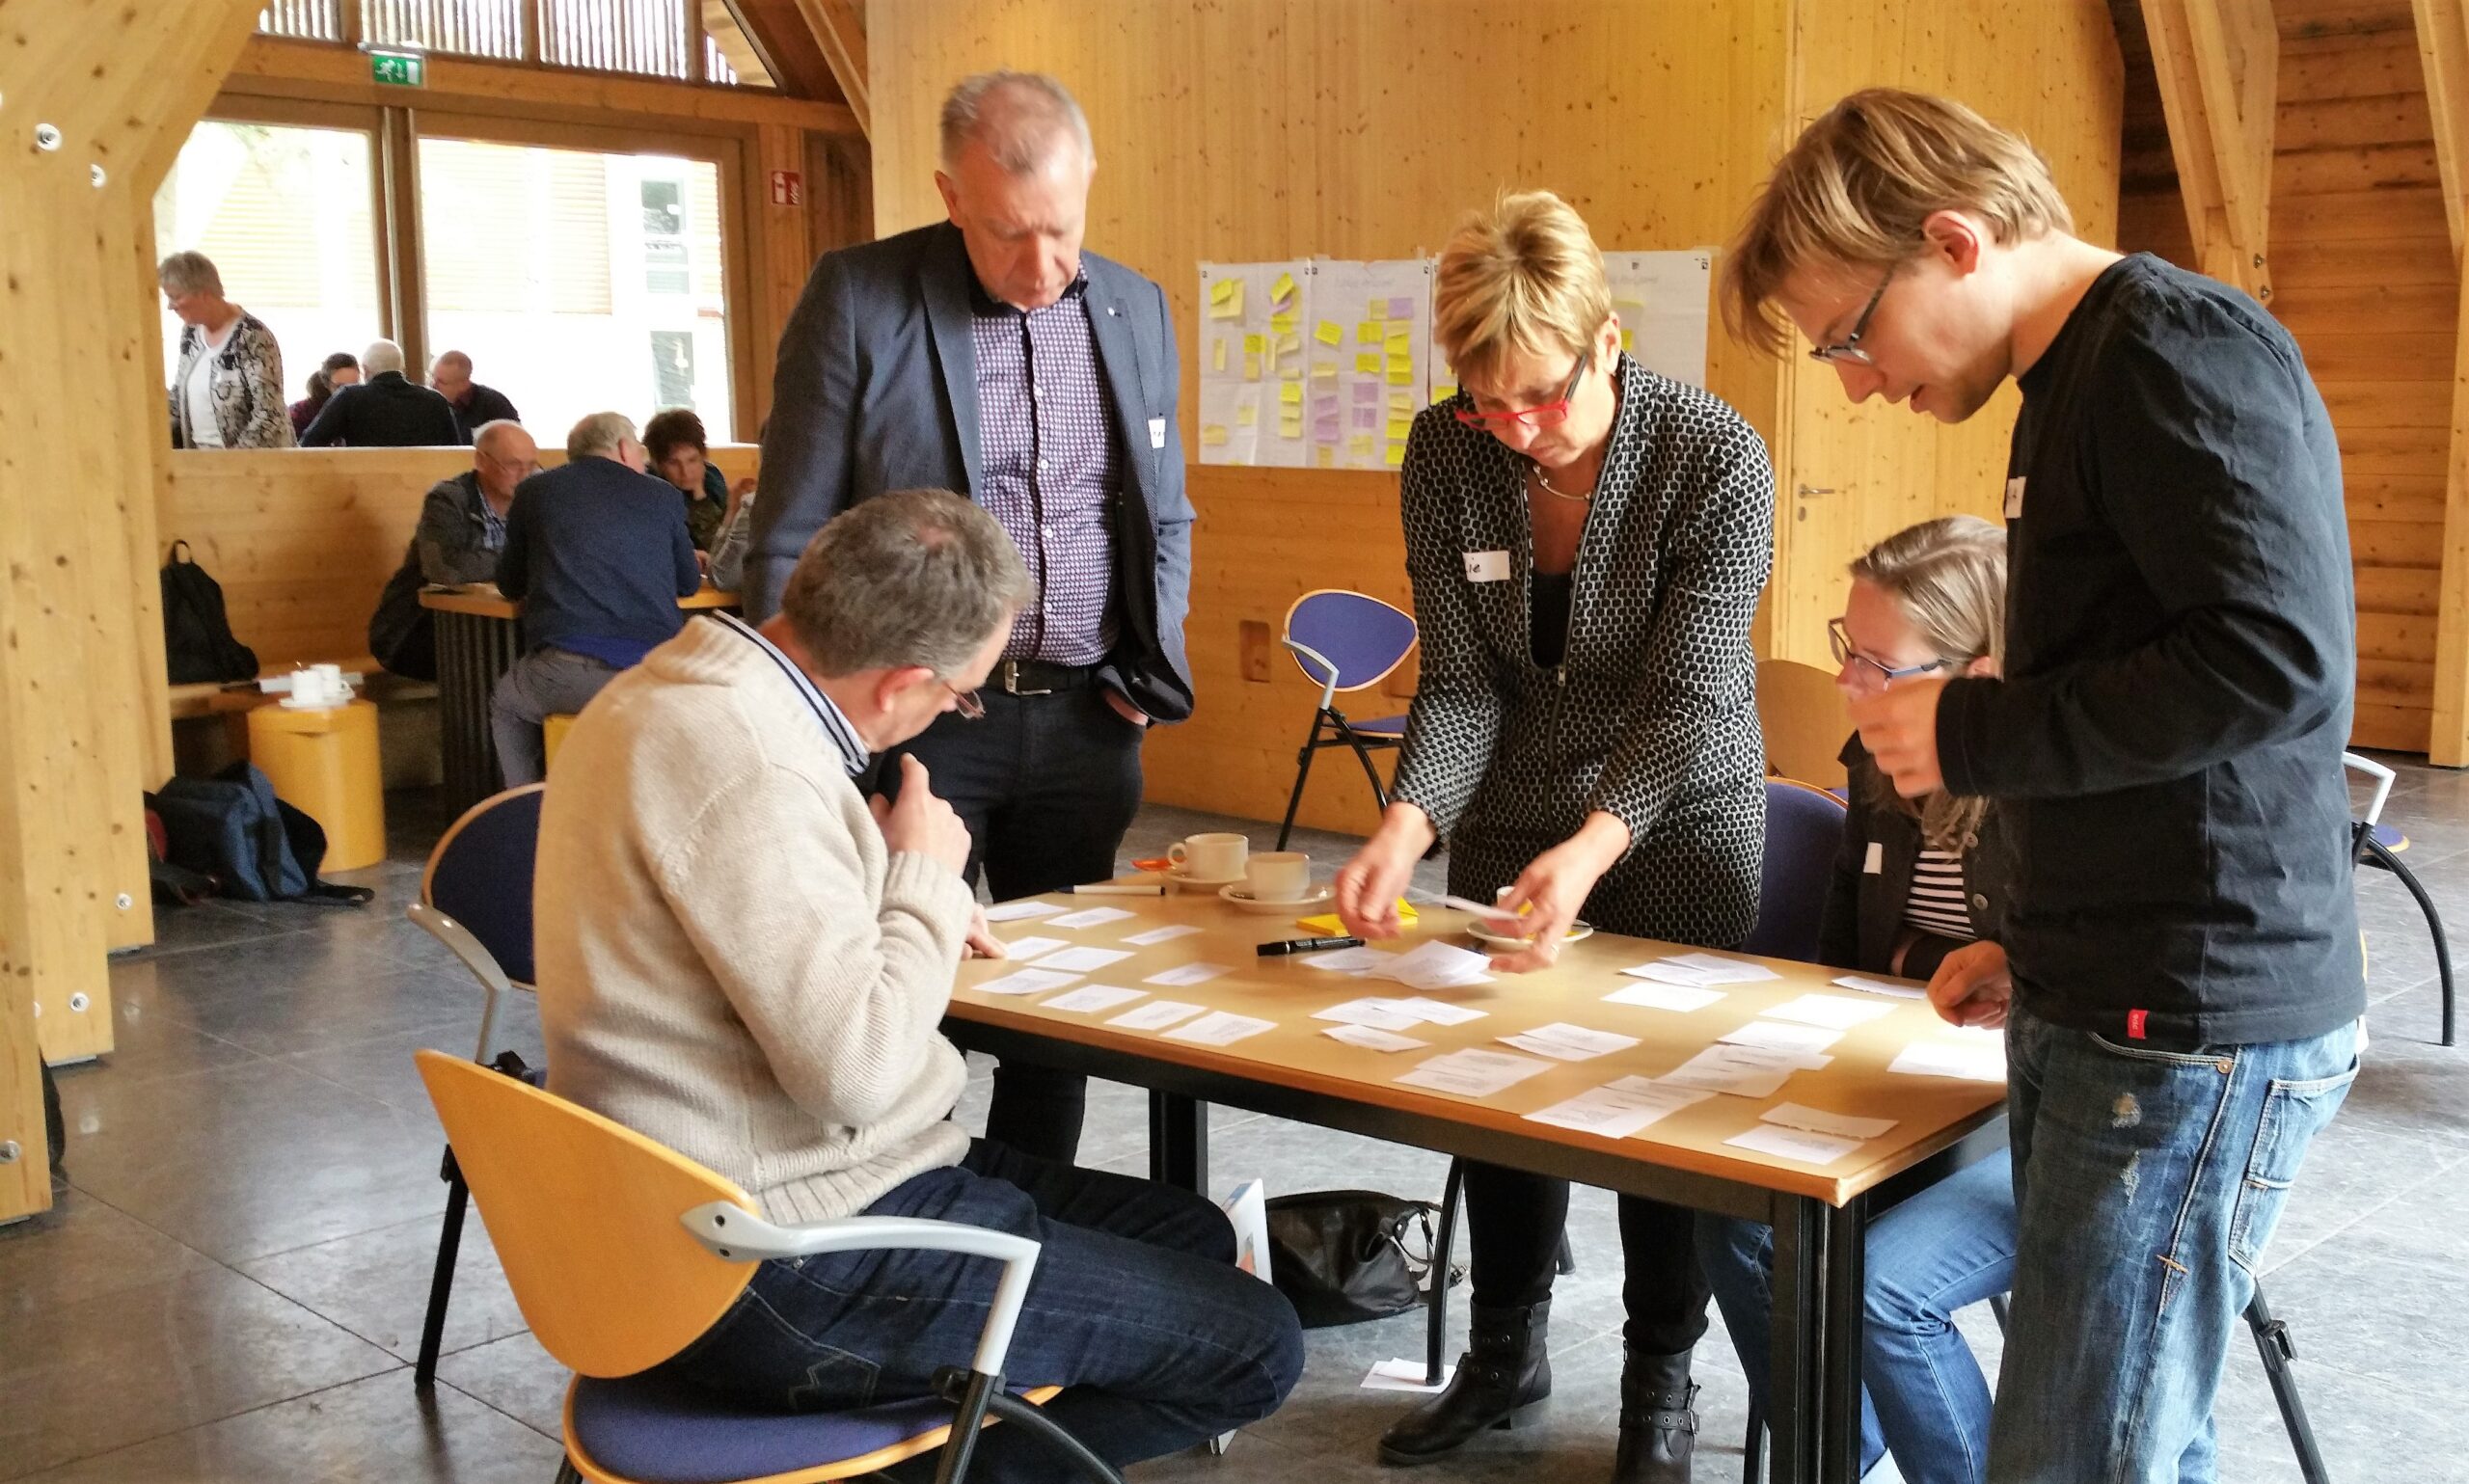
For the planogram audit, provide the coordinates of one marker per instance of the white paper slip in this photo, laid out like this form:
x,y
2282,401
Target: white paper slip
x,y
1774,1035
1371,1038
1156,1016
1379,1014
1026,949
1349,961
1719,970
1220,1028
1082,961
1434,967
1817,1121
1088,917
1189,974
1166,934
1670,974
1028,982
1947,1059
1831,1011
1616,1111
1404,1376
1474,1073
1662,996
1565,1043
1793,1144
1088,999
1014,911
1743,1071
1884,987
1436,1011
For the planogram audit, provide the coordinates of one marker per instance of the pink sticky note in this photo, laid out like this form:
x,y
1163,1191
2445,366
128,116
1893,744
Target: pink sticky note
x,y
1403,307
1367,391
1366,417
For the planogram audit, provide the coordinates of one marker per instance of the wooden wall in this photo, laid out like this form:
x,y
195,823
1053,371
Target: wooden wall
x,y
1363,128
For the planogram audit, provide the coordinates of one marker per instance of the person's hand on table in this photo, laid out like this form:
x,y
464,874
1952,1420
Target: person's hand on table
x,y
1899,726
1553,885
1369,886
982,943
920,822
1972,986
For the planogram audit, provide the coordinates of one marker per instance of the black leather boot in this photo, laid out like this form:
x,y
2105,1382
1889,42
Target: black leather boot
x,y
1658,1419
1504,1370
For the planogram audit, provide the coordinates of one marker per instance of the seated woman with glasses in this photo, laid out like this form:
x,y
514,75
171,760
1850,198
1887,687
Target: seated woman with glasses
x,y
1917,892
1586,541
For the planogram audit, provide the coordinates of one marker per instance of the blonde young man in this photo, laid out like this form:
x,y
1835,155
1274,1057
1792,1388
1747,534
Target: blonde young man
x,y
2164,745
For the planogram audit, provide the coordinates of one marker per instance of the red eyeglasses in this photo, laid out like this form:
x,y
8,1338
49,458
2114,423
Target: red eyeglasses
x,y
1549,414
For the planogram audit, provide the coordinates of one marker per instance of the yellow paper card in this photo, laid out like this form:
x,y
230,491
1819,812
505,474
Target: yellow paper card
x,y
1400,402
1282,289
1289,343
1627,340
1282,323
1251,368
1222,289
1217,354
1291,393
1442,391
1360,444
1398,330
1212,436
1290,427
1330,332
1324,369
1254,344
1396,454
1368,332
1402,375
1369,362
1379,308
1327,458
1400,427
1328,926
1246,414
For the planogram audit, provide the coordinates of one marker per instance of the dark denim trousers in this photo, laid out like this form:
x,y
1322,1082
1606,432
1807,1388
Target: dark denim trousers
x,y
1135,1308
1046,785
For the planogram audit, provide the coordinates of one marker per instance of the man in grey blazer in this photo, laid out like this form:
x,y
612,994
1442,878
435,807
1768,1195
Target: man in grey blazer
x,y
988,355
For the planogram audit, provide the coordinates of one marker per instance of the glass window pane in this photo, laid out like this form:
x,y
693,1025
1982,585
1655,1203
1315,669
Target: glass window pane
x,y
286,213
578,283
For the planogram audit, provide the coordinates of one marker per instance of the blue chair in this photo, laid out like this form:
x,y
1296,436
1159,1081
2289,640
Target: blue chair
x,y
475,898
1345,641
2372,843
1804,832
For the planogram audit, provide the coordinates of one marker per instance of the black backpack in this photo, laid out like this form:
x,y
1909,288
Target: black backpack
x,y
197,632
232,830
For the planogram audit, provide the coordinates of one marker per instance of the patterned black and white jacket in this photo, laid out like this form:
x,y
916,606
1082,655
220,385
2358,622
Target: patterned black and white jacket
x,y
248,410
1651,716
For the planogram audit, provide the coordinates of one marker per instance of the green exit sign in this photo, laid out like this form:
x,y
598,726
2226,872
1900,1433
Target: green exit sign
x,y
403,69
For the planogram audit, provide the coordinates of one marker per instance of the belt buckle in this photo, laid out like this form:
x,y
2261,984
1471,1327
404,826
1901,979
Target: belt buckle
x,y
1012,680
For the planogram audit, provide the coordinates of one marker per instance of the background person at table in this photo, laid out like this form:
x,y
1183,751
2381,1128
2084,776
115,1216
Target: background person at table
x,y
991,356
742,960
475,405
682,455
2165,744
338,371
228,391
1918,888
596,552
1585,733
461,530
385,411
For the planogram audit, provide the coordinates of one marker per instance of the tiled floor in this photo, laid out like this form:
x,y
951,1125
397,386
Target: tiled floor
x,y
231,1285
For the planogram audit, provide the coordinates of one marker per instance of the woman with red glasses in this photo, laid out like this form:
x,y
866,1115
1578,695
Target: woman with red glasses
x,y
1586,541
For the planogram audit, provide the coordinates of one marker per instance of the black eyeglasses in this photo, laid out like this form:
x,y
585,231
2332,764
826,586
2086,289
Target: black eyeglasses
x,y
1849,347
1870,672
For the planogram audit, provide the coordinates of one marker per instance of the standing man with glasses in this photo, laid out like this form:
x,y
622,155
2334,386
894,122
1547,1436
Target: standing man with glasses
x,y
2164,747
1586,542
991,356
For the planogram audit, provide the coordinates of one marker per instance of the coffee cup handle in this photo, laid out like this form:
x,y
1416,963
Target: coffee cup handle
x,y
1175,852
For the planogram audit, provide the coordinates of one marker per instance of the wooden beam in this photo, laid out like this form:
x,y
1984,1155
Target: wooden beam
x,y
2443,48
790,51
839,27
2219,62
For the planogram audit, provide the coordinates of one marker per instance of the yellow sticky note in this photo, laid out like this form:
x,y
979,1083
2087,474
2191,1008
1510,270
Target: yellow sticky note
x,y
1291,393
1402,375
1281,324
1442,391
1289,343
1327,458
1251,368
1246,414
1625,307
1233,308
1223,289
1400,427
1360,444
1330,332
1254,344
1211,434
1627,339
1328,926
1368,363
1368,332
1398,330
1324,370
1290,427
1292,370
1379,308
1400,402
1217,353
1282,289
1396,454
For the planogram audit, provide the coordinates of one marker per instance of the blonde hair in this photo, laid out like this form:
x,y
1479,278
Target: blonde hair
x,y
1949,578
1523,278
1855,187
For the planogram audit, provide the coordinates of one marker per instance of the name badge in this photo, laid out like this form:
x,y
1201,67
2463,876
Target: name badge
x,y
1876,863
1157,432
1488,566
2015,498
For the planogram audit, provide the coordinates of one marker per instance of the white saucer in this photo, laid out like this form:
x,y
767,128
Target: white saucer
x,y
1241,896
1475,930
1183,883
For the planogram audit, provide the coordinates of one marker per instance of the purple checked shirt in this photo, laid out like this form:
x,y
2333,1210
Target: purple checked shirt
x,y
1046,441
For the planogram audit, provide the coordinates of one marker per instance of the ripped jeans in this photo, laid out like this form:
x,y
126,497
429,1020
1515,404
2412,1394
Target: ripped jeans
x,y
2146,1184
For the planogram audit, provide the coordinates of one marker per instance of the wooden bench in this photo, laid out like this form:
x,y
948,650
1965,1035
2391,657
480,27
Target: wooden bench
x,y
406,714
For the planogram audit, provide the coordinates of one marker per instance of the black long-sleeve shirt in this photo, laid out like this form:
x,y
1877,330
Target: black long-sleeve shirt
x,y
598,554
2181,658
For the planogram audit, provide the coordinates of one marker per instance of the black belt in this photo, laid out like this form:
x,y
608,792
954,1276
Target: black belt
x,y
1040,677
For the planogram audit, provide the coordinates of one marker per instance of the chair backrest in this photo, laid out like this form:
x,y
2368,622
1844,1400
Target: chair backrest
x,y
1804,832
1345,640
480,876
584,1214
2382,776
1805,719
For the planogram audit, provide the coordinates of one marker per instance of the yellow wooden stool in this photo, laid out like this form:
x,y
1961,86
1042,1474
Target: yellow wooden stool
x,y
553,736
324,763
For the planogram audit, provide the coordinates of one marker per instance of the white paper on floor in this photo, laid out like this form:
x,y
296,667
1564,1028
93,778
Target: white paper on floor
x,y
1403,1376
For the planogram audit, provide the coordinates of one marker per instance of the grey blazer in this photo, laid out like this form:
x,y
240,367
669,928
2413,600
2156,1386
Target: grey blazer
x,y
876,390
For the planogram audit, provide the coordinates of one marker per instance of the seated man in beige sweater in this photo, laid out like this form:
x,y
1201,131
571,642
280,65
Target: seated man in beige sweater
x,y
743,959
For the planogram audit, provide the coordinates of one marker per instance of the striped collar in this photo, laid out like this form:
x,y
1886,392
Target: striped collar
x,y
854,756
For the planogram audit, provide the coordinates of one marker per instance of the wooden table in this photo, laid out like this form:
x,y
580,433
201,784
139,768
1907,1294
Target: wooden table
x,y
1294,1071
478,639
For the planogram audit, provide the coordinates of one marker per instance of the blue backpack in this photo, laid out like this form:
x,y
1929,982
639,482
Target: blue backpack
x,y
231,829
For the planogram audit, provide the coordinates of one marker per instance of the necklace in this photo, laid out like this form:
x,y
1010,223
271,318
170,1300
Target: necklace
x,y
1543,479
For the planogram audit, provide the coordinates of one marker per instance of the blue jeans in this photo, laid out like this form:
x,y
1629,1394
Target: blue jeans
x,y
1135,1308
1924,1396
2146,1182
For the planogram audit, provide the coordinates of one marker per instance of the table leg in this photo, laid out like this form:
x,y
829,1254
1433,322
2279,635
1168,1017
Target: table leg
x,y
1798,1321
1846,1285
1178,1142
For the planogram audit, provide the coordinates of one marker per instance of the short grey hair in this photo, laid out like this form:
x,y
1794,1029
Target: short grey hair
x,y
189,273
914,576
1015,115
451,358
381,356
598,434
488,435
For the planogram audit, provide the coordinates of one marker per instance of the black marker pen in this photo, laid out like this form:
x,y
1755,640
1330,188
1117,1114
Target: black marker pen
x,y
1306,946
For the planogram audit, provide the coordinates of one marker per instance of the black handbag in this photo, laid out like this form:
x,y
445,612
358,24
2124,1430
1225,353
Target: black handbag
x,y
1344,1257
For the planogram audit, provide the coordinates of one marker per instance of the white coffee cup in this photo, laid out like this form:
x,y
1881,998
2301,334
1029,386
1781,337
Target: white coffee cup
x,y
1278,876
1209,857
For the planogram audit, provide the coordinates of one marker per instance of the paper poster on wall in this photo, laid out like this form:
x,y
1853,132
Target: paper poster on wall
x,y
1254,319
1371,356
1659,299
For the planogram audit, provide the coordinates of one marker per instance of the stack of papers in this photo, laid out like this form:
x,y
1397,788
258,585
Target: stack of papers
x,y
1474,1073
1567,1043
1619,1109
1744,1071
1701,971
1831,1011
1433,966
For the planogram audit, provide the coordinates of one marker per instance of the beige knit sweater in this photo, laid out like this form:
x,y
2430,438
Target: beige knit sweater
x,y
729,959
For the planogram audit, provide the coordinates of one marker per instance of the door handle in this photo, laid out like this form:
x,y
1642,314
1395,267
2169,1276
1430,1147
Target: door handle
x,y
1807,489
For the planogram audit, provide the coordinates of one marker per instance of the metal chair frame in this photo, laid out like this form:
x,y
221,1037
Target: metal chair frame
x,y
1330,727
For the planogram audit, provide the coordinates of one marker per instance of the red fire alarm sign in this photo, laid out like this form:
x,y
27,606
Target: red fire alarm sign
x,y
788,188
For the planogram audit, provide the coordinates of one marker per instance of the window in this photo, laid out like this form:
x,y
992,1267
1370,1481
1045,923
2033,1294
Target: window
x,y
576,282
286,215
653,38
